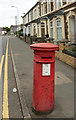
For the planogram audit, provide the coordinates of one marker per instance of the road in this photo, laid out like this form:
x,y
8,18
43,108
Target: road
x,y
3,41
8,108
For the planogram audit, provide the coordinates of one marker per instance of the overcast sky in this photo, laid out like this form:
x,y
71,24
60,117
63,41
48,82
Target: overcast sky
x,y
7,13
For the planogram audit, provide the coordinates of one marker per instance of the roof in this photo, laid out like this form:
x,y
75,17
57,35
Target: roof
x,y
60,12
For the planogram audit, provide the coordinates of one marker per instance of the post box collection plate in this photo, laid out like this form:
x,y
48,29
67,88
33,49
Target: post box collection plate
x,y
46,69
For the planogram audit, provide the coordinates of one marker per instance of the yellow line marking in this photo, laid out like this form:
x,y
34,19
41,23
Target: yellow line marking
x,y
1,65
8,55
5,92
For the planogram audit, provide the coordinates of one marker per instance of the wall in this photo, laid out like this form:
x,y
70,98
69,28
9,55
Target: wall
x,y
66,58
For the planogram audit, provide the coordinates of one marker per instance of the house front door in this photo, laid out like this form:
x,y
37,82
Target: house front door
x,y
34,30
42,29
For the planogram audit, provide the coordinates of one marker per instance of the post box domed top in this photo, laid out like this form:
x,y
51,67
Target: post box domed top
x,y
44,47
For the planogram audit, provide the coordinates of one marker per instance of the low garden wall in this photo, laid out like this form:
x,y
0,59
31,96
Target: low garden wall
x,y
66,58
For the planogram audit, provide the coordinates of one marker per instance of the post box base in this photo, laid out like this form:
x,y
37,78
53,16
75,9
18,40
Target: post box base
x,y
42,113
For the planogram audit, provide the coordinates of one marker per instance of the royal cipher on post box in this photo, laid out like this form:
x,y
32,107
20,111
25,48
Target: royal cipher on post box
x,y
44,76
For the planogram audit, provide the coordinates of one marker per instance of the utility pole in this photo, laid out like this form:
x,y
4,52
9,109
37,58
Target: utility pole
x,y
17,17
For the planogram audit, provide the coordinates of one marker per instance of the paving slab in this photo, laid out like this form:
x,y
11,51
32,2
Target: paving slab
x,y
64,81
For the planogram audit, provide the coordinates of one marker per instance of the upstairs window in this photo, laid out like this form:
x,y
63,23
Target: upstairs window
x,y
42,7
32,15
56,4
38,11
60,3
52,6
35,13
49,6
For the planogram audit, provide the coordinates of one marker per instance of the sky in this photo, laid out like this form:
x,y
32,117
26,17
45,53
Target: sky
x,y
8,13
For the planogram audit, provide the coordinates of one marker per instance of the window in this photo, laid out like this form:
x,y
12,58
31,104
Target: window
x,y
56,4
49,6
42,9
60,3
51,28
38,11
52,6
35,13
32,15
59,29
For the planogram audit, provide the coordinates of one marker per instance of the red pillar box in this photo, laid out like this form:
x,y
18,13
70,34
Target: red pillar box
x,y
44,75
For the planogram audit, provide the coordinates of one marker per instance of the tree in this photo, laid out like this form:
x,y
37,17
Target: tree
x,y
7,29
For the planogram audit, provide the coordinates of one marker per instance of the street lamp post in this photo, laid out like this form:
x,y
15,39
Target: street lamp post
x,y
17,17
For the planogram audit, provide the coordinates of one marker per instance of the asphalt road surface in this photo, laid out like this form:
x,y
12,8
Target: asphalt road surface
x,y
9,100
3,41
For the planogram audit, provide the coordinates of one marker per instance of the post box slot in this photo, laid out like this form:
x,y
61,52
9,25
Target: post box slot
x,y
46,57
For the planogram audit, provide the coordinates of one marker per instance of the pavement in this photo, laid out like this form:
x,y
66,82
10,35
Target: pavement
x,y
15,111
22,58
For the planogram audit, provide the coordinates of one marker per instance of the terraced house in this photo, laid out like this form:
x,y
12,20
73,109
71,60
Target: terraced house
x,y
55,19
